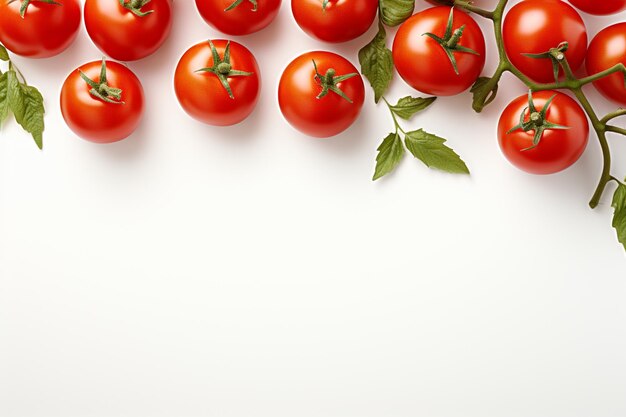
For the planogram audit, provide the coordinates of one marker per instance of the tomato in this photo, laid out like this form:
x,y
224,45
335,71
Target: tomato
x,y
221,93
606,49
562,142
126,33
423,62
46,29
112,116
600,7
238,17
536,26
334,20
321,93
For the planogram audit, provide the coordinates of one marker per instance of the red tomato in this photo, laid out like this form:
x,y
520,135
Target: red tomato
x,y
311,100
423,62
558,148
95,119
238,17
45,30
605,50
600,7
536,26
337,20
128,34
202,84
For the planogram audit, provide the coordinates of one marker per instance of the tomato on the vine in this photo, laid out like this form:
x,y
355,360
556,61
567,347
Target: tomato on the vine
x,y
600,7
38,29
238,17
439,51
543,133
334,20
321,93
607,49
536,27
218,82
102,101
131,31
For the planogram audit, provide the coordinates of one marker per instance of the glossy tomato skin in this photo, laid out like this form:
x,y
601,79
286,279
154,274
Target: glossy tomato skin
x,y
202,95
341,21
535,26
423,63
46,29
298,90
95,120
558,149
242,20
122,35
600,7
606,49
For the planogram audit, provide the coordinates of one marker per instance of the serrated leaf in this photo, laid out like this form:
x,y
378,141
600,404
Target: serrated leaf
x,y
377,63
390,153
4,98
433,152
619,216
484,91
394,12
409,106
4,55
26,103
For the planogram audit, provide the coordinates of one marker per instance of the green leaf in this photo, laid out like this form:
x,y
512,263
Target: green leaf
x,y
4,98
408,106
390,153
619,216
394,12
4,55
484,92
26,103
377,63
430,149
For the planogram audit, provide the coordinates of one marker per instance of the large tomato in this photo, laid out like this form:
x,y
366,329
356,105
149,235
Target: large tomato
x,y
218,82
238,17
334,20
546,140
536,26
128,33
103,109
45,30
607,49
321,93
600,7
427,63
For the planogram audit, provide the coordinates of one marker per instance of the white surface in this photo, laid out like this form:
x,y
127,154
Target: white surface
x,y
251,271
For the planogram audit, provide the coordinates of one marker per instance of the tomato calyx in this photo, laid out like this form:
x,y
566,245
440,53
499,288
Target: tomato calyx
x,y
135,7
223,69
101,90
555,55
329,82
325,4
536,121
450,41
26,3
236,3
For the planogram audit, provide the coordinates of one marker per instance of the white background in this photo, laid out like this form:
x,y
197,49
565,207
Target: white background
x,y
252,271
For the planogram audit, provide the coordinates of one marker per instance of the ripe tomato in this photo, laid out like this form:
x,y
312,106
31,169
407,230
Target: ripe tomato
x,y
98,111
605,50
129,32
238,17
600,7
334,20
543,152
321,94
46,29
218,82
423,61
536,26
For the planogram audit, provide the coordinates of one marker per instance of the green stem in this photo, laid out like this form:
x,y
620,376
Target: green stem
x,y
393,115
616,129
613,115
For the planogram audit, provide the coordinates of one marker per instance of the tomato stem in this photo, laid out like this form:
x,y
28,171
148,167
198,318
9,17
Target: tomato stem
x,y
223,69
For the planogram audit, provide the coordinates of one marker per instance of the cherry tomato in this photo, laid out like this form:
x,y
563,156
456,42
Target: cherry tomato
x,y
128,33
600,7
536,26
334,20
219,93
562,142
46,29
99,112
238,17
605,50
321,94
421,58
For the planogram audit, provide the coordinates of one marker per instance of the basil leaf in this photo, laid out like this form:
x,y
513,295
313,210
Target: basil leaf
x,y
408,106
430,149
394,12
4,98
619,216
390,153
377,63
4,55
